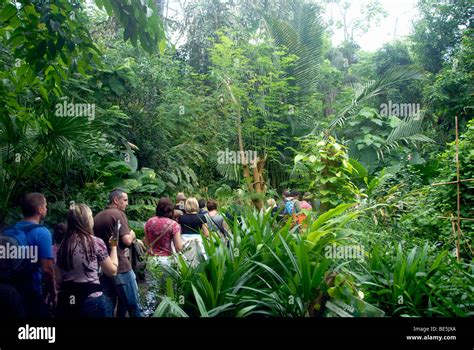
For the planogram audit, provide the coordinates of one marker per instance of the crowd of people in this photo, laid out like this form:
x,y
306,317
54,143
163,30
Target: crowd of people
x,y
294,205
83,270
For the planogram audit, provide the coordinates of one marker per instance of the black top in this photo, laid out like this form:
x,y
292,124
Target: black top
x,y
191,223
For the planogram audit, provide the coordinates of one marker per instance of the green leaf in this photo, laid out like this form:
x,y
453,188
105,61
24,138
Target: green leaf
x,y
377,121
394,121
246,311
368,140
200,303
8,11
43,93
320,167
329,214
360,169
172,177
298,157
168,307
367,113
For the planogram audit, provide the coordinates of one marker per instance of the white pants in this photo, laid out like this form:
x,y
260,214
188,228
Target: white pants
x,y
193,248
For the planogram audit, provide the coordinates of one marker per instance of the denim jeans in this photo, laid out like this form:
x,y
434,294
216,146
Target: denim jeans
x,y
123,291
93,307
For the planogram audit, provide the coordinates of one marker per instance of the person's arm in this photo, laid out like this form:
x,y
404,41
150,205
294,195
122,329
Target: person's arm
x,y
57,274
110,264
178,242
126,235
43,238
145,237
205,230
47,270
147,240
128,239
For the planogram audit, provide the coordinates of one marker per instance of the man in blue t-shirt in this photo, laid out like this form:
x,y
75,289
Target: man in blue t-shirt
x,y
40,264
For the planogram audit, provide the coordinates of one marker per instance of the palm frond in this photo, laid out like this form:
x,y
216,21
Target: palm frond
x,y
301,34
230,172
408,130
364,92
188,152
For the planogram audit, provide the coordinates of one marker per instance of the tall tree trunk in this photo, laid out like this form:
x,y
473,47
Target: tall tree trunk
x,y
257,184
247,177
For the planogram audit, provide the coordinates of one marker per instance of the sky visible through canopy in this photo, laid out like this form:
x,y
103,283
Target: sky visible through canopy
x,y
397,23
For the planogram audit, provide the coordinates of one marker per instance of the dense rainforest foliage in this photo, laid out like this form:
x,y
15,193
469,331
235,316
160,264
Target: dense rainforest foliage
x,y
104,94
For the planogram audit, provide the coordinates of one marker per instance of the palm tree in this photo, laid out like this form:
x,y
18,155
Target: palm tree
x,y
27,145
297,27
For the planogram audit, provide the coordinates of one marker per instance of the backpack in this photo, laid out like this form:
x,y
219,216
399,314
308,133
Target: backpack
x,y
138,258
12,238
289,208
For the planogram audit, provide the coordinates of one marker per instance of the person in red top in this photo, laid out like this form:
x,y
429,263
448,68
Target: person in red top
x,y
161,231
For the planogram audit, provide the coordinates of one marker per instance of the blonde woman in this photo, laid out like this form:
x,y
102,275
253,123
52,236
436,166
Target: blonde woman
x,y
79,257
192,224
272,206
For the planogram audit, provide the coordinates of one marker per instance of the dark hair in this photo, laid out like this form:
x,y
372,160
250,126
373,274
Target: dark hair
x,y
165,208
31,202
294,193
59,232
211,204
202,203
79,231
117,192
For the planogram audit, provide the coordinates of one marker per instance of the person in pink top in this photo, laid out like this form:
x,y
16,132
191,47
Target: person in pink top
x,y
304,202
161,231
305,205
